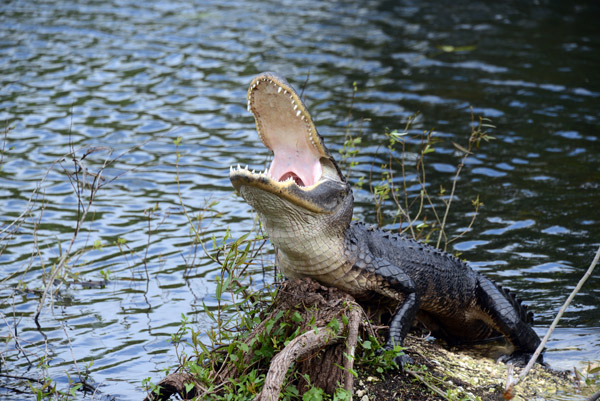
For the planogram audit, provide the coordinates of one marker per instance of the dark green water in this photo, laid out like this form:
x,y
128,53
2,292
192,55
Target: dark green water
x,y
127,73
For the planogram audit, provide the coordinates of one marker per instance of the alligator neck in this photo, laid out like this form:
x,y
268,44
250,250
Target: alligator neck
x,y
312,257
310,249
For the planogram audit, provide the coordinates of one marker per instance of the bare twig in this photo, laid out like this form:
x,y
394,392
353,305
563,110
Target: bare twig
x,y
83,209
427,384
451,197
72,352
477,134
511,384
304,85
17,342
477,204
4,142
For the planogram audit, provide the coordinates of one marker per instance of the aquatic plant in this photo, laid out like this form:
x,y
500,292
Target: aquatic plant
x,y
413,214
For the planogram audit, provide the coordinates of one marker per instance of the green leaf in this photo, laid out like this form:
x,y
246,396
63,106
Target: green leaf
x,y
398,135
342,395
334,325
218,291
594,370
452,49
462,149
313,394
297,317
74,389
208,311
428,149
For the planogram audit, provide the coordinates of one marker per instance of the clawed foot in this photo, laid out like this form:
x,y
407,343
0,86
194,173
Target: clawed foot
x,y
401,359
520,359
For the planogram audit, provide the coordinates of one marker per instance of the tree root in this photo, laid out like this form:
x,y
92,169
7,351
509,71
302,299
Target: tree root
x,y
308,338
320,352
329,321
175,383
300,346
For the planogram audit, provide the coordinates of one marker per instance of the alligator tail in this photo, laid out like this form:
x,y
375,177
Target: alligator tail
x,y
525,315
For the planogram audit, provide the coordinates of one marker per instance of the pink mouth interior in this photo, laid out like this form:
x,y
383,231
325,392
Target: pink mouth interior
x,y
295,161
287,135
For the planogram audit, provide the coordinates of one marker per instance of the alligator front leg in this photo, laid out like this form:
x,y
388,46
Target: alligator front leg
x,y
394,283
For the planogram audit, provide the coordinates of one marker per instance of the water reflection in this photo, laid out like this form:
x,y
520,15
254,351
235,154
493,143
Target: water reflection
x,y
132,73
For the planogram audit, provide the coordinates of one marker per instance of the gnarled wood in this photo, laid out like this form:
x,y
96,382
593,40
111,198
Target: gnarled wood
x,y
173,384
300,346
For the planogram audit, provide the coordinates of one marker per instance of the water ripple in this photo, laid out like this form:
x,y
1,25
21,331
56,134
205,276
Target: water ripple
x,y
98,74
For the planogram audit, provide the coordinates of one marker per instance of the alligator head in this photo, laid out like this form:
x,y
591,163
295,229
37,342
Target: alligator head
x,y
304,185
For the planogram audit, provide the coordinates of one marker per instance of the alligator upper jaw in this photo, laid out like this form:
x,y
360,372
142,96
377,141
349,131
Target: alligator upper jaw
x,y
301,163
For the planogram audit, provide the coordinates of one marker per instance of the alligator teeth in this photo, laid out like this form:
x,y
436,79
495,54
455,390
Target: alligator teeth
x,y
295,107
279,89
232,170
297,113
249,107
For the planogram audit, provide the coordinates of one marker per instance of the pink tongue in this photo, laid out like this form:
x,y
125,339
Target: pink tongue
x,y
288,163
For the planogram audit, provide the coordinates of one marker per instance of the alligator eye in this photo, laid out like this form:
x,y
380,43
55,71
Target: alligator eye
x,y
294,177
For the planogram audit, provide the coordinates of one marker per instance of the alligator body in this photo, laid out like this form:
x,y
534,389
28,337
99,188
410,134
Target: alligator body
x,y
305,205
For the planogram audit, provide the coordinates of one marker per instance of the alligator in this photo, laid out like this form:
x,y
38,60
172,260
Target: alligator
x,y
305,205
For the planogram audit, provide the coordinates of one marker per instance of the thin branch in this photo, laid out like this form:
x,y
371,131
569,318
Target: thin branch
x,y
508,392
305,84
595,396
4,143
466,230
427,384
17,342
454,181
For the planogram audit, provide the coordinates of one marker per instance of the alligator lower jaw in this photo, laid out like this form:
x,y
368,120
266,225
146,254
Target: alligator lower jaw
x,y
287,189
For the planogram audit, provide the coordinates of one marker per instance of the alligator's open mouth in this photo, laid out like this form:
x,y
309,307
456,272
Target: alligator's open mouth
x,y
301,162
